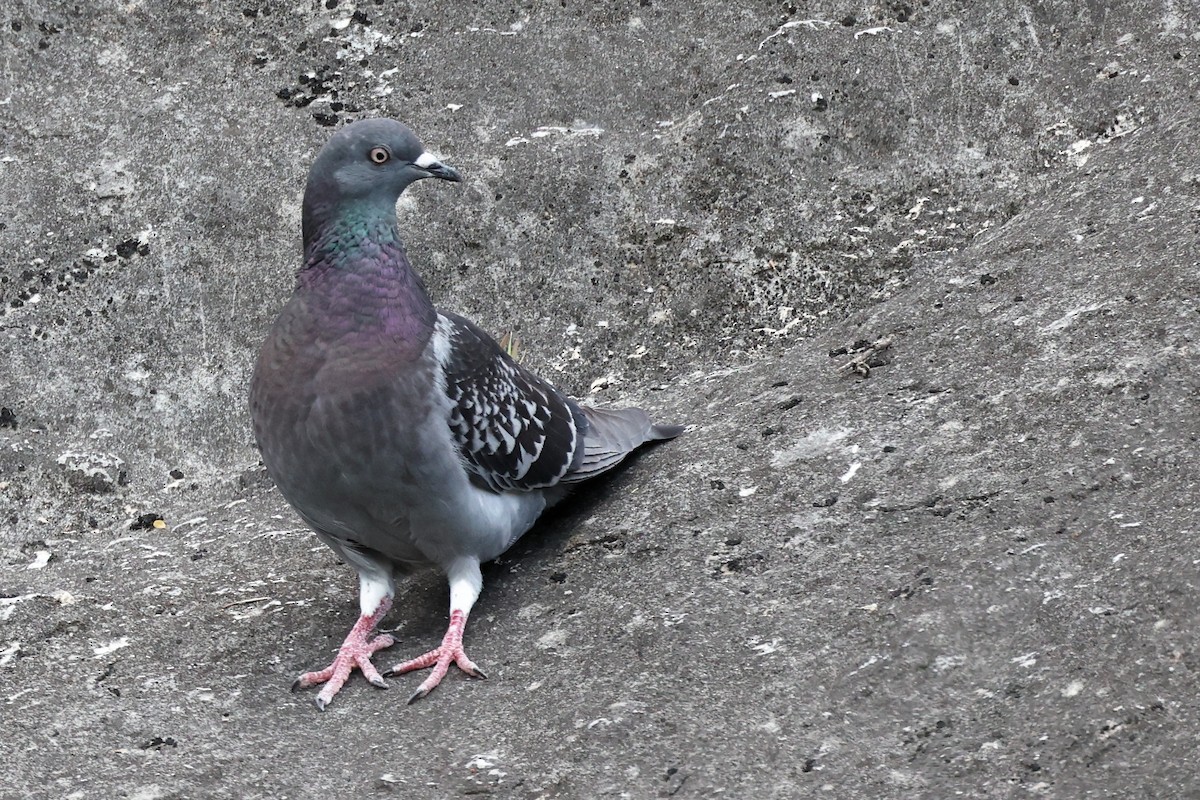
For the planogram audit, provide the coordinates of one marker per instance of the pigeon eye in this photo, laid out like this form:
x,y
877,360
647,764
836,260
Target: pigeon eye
x,y
379,155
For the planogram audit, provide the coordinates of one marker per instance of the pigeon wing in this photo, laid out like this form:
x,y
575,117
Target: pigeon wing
x,y
514,430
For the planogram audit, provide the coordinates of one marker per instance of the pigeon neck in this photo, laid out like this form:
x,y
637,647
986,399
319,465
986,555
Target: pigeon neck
x,y
335,229
355,258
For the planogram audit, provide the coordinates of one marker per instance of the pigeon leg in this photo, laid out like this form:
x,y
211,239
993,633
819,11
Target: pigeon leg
x,y
375,598
465,584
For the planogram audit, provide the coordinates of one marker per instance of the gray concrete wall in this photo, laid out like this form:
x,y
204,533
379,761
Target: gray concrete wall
x,y
972,570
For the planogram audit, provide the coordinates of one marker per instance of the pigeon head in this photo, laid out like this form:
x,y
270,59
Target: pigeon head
x,y
367,164
375,157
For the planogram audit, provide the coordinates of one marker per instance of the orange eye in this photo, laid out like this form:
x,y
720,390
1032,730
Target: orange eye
x,y
379,155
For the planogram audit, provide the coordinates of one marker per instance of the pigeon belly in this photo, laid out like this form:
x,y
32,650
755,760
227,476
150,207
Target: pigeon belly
x,y
361,447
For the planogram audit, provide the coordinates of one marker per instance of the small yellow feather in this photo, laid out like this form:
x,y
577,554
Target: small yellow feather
x,y
511,345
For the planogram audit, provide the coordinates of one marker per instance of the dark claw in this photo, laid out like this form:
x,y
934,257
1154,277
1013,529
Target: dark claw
x,y
319,703
296,686
380,683
479,674
417,695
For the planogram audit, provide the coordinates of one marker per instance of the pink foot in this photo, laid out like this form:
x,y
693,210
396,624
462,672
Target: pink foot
x,y
356,651
451,650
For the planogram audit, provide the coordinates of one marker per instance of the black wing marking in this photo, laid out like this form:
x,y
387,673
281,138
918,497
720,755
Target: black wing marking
x,y
514,430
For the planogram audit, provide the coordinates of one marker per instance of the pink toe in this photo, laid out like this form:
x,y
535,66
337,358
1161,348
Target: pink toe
x,y
356,651
420,662
381,642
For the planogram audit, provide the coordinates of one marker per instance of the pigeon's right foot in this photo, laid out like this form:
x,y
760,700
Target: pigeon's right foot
x,y
356,651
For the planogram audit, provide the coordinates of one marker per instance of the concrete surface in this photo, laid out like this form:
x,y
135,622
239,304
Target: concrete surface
x,y
970,572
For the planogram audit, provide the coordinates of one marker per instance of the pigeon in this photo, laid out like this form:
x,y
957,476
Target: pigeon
x,y
404,436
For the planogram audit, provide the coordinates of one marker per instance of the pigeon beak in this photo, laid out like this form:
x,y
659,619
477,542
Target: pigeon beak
x,y
437,169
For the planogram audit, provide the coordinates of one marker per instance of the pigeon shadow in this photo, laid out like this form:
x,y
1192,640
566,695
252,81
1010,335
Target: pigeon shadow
x,y
536,551
545,541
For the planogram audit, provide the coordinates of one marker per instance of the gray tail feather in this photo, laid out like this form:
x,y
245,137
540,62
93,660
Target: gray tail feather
x,y
612,434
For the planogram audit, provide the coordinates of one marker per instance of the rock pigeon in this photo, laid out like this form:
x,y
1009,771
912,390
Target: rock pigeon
x,y
405,436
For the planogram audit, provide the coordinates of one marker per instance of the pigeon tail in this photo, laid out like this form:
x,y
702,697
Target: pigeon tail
x,y
610,435
662,432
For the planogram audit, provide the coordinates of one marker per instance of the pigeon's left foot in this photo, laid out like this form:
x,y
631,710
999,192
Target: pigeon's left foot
x,y
451,650
356,651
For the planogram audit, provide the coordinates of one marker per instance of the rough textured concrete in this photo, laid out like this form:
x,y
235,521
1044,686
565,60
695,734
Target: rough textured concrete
x,y
972,571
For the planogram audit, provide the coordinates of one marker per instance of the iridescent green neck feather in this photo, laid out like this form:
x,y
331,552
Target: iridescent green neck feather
x,y
356,273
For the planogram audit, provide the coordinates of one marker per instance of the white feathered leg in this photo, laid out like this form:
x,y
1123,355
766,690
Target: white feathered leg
x,y
465,584
375,593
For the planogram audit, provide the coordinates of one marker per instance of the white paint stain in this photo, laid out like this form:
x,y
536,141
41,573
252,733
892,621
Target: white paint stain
x,y
9,653
1027,660
111,647
764,648
484,760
